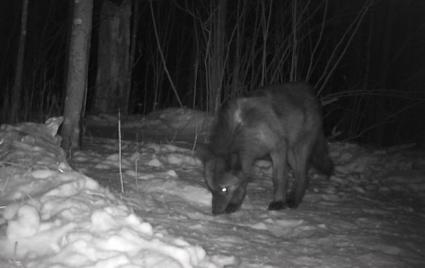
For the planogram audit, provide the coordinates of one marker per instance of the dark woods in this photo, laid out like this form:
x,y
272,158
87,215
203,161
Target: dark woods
x,y
364,59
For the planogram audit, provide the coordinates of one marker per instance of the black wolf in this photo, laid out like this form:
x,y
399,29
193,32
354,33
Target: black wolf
x,y
283,122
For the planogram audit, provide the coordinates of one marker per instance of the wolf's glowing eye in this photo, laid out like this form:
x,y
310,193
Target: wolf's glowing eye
x,y
224,190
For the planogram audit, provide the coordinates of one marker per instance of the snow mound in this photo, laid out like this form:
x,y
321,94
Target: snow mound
x,y
53,216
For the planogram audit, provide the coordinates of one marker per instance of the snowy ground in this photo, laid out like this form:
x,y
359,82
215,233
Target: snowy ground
x,y
369,214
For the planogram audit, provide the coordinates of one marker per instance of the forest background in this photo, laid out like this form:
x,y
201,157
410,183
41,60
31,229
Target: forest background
x,y
365,58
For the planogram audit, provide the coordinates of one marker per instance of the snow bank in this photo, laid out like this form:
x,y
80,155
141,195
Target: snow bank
x,y
52,216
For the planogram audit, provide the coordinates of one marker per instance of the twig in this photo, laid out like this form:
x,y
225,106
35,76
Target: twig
x,y
119,152
382,122
331,65
162,56
318,41
195,141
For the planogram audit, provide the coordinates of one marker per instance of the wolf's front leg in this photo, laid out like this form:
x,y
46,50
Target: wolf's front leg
x,y
280,179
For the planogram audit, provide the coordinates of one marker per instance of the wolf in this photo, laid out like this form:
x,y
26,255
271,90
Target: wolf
x,y
282,122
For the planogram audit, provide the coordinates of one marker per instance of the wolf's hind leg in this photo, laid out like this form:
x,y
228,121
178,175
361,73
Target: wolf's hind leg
x,y
280,178
300,157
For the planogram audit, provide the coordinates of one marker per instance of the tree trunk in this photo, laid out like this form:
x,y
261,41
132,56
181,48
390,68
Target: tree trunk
x,y
132,102
236,79
77,72
113,80
216,59
17,86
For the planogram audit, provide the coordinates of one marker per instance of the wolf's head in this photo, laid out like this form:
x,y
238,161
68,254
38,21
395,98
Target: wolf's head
x,y
226,182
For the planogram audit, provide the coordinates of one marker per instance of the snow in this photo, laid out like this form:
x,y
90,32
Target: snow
x,y
370,213
53,216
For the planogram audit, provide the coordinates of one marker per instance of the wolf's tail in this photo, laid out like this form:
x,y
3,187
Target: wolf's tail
x,y
320,158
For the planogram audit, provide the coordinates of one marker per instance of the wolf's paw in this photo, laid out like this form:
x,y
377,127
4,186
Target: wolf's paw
x,y
292,202
277,205
232,208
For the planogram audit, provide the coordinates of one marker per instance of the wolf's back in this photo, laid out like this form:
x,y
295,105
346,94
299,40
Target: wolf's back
x,y
290,110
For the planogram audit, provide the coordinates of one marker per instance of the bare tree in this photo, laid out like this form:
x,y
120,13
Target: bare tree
x,y
17,87
161,53
113,80
76,84
216,59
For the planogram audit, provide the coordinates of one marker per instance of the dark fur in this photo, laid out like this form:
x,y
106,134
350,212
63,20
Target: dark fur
x,y
283,122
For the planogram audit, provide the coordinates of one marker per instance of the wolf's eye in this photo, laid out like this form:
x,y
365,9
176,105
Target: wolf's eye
x,y
224,189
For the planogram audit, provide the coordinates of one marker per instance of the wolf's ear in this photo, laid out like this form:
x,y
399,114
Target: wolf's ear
x,y
213,170
204,153
209,169
208,160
